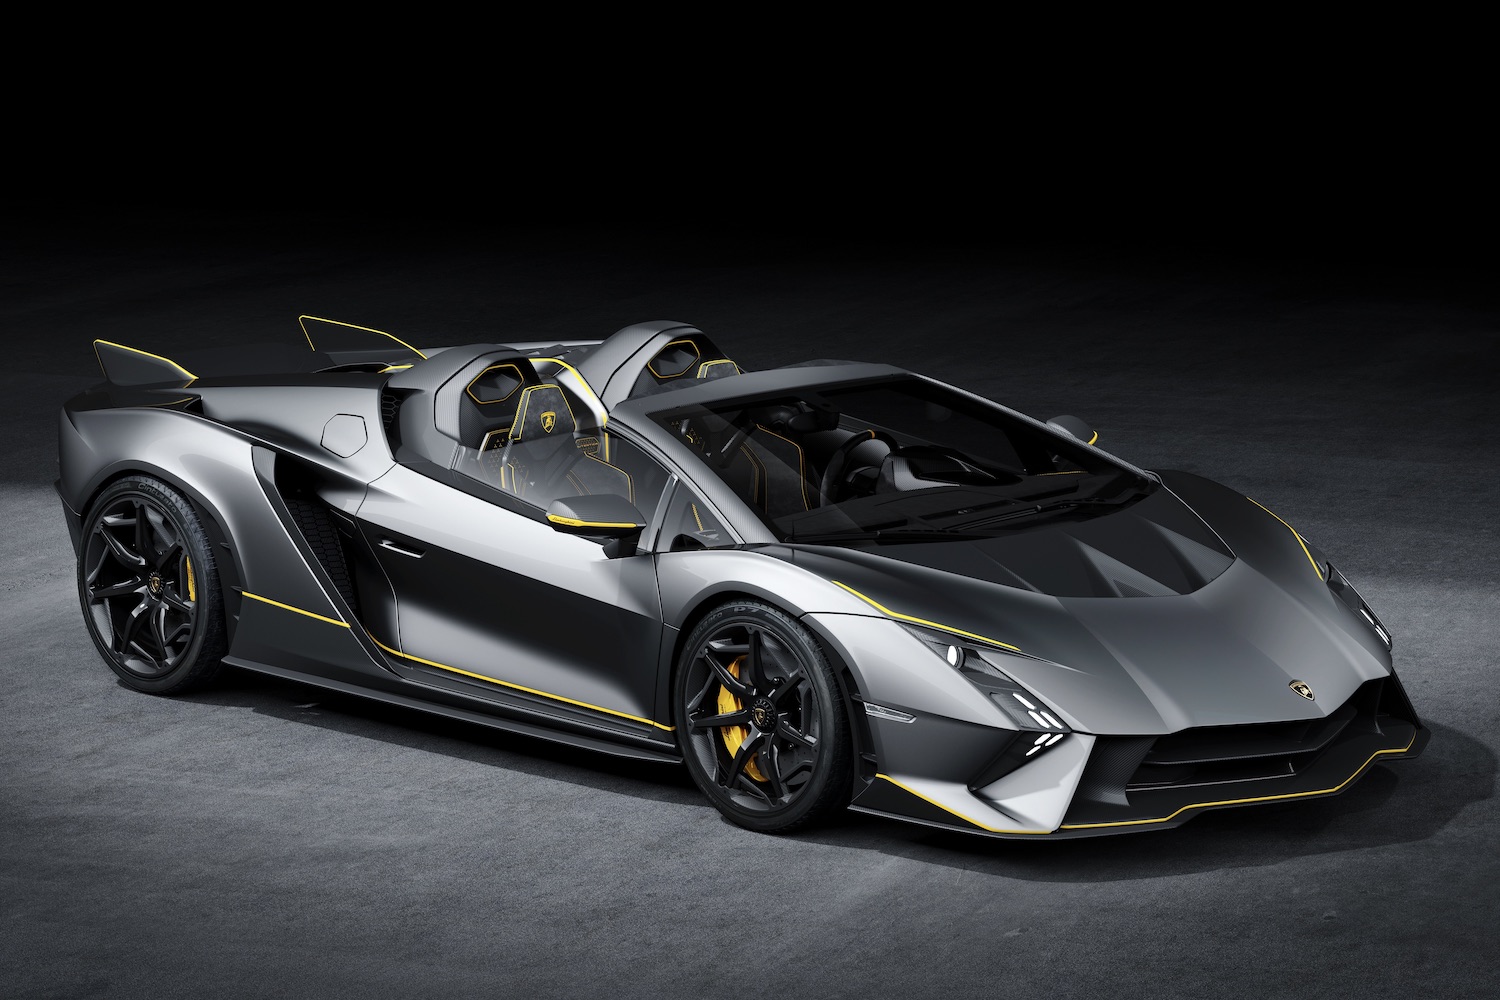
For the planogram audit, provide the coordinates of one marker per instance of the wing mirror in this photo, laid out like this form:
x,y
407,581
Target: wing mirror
x,y
606,515
1073,425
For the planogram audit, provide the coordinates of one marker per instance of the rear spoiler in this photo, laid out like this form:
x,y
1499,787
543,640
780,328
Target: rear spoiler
x,y
128,366
336,344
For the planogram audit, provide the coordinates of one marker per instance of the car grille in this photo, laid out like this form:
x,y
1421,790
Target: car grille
x,y
1129,771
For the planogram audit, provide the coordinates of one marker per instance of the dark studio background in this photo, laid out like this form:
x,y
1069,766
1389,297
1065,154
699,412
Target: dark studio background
x,y
1313,321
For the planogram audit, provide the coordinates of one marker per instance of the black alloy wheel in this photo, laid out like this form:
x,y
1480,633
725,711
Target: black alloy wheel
x,y
761,720
149,587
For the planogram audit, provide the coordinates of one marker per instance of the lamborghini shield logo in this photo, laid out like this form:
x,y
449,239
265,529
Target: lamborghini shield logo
x,y
1302,688
549,420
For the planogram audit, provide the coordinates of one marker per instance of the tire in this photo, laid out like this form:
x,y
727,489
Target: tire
x,y
761,723
149,588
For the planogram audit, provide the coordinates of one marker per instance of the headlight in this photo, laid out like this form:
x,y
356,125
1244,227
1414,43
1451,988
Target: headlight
x,y
1344,591
1023,708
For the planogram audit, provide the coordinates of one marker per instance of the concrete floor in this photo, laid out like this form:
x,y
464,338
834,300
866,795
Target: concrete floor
x,y
268,839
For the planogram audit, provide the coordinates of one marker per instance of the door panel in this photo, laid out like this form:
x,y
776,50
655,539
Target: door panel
x,y
486,593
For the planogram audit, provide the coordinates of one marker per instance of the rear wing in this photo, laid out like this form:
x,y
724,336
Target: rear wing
x,y
129,366
332,345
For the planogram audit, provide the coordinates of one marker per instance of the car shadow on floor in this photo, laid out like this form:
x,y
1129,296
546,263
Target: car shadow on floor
x,y
309,705
1401,802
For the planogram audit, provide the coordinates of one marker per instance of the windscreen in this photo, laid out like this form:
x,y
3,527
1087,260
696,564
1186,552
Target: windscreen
x,y
898,459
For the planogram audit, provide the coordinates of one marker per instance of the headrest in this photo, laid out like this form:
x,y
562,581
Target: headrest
x,y
491,400
543,412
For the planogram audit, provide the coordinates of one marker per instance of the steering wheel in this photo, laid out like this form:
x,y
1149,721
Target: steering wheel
x,y
838,462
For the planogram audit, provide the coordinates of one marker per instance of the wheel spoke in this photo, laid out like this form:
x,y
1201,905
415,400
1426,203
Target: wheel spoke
x,y
737,718
770,766
132,626
130,586
737,766
755,664
176,603
167,555
183,627
796,735
734,684
143,545
93,574
120,551
159,631
697,702
788,685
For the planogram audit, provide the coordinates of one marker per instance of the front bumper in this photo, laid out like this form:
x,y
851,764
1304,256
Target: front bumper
x,y
1099,785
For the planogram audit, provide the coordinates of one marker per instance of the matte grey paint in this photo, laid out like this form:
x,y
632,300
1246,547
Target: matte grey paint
x,y
484,589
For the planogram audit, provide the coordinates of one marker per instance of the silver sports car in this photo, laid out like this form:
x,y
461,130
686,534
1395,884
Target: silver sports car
x,y
826,585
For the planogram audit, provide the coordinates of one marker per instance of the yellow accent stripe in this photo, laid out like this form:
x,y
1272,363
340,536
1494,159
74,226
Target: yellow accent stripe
x,y
966,819
393,368
1070,472
321,618
576,523
923,621
517,687
1236,802
1316,568
135,350
352,326
1094,438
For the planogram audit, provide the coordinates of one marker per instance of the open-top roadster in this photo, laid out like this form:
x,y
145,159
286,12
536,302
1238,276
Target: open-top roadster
x,y
828,584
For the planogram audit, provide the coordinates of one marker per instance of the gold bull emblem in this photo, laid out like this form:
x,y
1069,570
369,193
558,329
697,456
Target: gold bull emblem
x,y
1302,688
549,420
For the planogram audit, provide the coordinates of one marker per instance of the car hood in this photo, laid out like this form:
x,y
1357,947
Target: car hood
x,y
1166,615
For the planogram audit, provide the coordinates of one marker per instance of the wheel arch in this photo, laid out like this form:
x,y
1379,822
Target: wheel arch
x,y
230,571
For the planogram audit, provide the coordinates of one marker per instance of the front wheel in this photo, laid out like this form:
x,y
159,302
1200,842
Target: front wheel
x,y
149,587
760,719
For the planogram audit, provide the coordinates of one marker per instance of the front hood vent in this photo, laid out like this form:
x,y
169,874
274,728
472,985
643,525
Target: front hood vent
x,y
1155,548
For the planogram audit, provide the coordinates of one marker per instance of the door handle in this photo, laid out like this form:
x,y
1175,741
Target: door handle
x,y
386,543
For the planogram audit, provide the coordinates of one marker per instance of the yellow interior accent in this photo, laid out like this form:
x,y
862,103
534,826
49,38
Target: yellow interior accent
x,y
517,687
1239,802
711,364
923,621
393,368
192,585
801,467
1094,438
134,350
352,326
966,819
288,607
576,523
699,518
485,402
650,365
1316,568
733,736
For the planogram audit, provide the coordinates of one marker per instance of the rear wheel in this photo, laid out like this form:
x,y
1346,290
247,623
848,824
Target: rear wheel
x,y
149,587
761,721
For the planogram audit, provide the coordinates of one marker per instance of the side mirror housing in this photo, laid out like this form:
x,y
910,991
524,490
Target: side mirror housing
x,y
606,515
1073,425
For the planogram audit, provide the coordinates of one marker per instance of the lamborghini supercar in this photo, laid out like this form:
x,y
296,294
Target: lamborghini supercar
x,y
826,585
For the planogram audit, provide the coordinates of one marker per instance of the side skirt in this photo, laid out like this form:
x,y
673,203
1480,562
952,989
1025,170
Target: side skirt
x,y
465,715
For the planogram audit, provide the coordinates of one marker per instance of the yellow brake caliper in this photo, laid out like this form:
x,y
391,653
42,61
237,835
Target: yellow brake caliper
x,y
735,735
